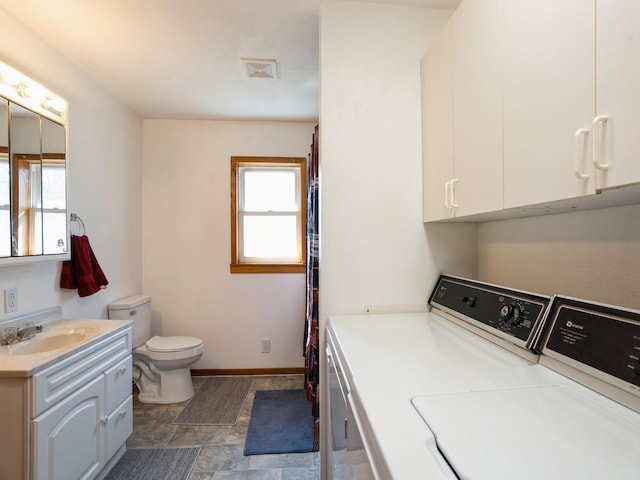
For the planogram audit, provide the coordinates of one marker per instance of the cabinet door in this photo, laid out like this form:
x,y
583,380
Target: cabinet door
x,y
618,92
67,437
437,125
477,107
548,95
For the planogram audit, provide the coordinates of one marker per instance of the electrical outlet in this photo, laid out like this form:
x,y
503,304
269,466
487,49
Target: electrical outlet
x,y
10,300
266,345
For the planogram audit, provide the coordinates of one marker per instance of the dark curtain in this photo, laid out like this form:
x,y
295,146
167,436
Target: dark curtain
x,y
311,349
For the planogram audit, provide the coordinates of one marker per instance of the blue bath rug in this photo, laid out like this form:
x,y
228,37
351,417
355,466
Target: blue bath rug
x,y
281,422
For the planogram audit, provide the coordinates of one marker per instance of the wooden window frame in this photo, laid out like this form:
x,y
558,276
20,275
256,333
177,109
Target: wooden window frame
x,y
236,266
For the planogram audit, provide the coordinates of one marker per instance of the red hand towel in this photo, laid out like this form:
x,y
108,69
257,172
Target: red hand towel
x,y
68,276
83,270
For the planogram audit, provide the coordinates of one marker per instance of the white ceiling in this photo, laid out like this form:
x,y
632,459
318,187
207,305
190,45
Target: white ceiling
x,y
181,58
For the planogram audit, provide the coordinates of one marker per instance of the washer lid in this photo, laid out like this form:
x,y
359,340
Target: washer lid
x,y
172,344
533,433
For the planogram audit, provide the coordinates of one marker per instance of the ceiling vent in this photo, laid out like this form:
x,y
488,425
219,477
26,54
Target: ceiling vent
x,y
259,68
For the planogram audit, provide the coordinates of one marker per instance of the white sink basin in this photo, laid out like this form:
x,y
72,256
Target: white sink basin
x,y
54,340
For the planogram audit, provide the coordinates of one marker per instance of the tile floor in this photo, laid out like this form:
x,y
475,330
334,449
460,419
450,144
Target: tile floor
x,y
221,447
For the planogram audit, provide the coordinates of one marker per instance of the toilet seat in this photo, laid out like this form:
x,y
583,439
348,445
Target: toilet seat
x,y
171,352
172,344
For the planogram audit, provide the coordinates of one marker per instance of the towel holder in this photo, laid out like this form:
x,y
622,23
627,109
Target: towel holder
x,y
76,218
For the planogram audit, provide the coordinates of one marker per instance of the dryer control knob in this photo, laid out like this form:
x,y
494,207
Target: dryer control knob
x,y
511,313
506,312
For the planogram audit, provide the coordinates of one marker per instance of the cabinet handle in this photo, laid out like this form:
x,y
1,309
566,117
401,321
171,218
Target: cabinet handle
x,y
103,420
581,150
122,369
122,413
447,187
454,193
598,147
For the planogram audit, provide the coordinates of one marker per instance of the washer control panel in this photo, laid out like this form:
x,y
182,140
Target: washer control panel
x,y
504,312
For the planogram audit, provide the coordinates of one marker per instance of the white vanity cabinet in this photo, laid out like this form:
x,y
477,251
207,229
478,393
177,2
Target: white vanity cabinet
x,y
78,412
67,436
462,115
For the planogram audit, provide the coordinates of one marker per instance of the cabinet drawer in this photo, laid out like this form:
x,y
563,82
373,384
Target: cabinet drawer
x,y
119,426
118,384
57,382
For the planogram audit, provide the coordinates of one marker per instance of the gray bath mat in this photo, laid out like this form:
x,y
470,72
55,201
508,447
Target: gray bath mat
x,y
157,463
217,402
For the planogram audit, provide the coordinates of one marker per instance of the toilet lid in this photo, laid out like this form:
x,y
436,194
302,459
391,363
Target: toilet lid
x,y
172,344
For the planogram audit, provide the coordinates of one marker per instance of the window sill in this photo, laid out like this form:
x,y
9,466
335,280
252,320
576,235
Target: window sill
x,y
267,268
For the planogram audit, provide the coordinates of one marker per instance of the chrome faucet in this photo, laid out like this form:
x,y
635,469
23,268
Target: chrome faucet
x,y
12,335
28,331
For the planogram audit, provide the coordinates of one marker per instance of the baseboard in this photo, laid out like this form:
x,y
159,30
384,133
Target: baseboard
x,y
199,372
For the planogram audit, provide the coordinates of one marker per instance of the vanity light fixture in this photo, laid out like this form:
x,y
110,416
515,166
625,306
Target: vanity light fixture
x,y
259,68
21,89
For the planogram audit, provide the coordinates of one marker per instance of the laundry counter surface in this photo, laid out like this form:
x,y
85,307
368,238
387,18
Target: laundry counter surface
x,y
391,359
382,357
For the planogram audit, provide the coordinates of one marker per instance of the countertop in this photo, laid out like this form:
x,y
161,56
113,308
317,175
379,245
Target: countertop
x,y
12,365
392,358
383,355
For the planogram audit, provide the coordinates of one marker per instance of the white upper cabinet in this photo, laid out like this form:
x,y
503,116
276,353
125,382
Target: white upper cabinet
x,y
617,130
477,107
531,106
548,95
437,128
462,115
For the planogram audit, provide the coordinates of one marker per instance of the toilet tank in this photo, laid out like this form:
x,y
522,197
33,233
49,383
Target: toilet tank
x,y
136,308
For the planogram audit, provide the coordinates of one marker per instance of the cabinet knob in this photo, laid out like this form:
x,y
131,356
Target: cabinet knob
x,y
103,420
122,369
122,413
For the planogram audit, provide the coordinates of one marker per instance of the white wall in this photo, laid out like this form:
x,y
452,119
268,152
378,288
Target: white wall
x,y
105,158
374,247
186,244
593,254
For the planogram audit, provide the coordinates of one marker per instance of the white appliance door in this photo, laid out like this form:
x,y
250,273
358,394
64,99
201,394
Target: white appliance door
x,y
544,432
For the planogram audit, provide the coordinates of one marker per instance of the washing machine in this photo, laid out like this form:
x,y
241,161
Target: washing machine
x,y
493,383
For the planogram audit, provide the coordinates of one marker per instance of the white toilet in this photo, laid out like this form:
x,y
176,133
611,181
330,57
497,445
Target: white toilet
x,y
160,364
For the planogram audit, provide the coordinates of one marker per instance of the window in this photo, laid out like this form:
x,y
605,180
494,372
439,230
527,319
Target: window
x,y
268,215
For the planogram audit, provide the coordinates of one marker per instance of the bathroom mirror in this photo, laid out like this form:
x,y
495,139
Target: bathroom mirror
x,y
33,205
54,188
